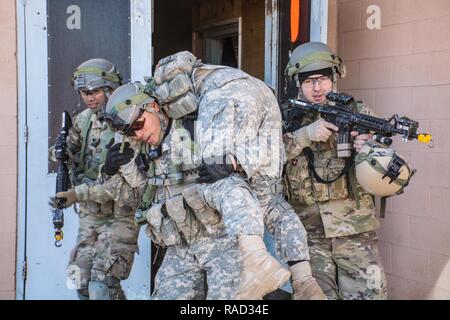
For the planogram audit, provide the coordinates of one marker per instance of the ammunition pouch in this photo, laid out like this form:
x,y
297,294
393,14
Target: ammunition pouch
x,y
161,229
184,105
207,216
169,67
183,217
170,91
304,189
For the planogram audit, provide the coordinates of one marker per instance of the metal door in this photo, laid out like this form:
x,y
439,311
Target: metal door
x,y
54,36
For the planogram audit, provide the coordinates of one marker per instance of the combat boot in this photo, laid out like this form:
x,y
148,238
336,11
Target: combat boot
x,y
261,273
304,285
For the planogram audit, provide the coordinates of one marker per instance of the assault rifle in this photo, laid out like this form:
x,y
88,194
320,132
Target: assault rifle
x,y
62,178
340,113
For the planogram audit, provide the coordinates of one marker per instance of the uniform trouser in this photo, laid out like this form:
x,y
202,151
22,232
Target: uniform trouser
x,y
347,267
105,249
281,221
237,205
206,269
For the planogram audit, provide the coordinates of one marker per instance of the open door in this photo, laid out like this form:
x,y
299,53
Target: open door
x,y
55,36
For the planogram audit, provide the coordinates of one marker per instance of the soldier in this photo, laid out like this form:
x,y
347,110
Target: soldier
x,y
201,260
338,216
107,235
238,133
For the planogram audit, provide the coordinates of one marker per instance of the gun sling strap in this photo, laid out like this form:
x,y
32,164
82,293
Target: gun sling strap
x,y
308,153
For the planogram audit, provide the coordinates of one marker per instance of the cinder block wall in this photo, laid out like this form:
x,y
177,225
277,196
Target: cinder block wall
x,y
8,148
404,68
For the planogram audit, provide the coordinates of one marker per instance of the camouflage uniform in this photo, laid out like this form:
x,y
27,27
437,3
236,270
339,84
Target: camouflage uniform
x,y
107,235
239,115
202,260
339,218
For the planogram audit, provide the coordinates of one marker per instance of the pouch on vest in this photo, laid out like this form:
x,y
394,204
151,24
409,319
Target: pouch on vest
x,y
207,216
163,230
332,191
169,67
169,91
299,183
181,107
184,219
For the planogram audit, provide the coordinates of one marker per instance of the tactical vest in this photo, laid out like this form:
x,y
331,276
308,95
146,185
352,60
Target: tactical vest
x,y
345,208
175,208
94,137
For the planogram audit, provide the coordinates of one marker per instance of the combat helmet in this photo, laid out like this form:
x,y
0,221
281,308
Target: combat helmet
x,y
313,56
125,105
381,171
96,73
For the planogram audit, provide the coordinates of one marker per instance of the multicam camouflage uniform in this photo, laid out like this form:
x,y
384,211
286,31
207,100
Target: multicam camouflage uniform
x,y
339,218
107,235
239,115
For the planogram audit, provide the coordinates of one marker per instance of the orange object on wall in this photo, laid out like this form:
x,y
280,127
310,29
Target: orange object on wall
x,y
295,20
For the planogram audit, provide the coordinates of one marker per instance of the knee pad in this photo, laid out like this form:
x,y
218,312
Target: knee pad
x,y
98,291
109,289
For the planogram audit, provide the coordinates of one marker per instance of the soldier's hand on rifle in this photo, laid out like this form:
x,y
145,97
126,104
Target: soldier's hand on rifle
x,y
360,139
215,168
117,157
320,130
69,196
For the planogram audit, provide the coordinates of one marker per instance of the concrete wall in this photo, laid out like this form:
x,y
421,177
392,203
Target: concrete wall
x,y
404,68
8,148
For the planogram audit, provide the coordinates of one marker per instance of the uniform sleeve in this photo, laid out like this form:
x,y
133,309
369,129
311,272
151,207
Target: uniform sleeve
x,y
115,188
124,188
295,142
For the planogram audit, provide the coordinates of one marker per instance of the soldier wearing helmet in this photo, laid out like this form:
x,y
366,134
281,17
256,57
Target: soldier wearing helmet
x,y
339,216
238,134
107,236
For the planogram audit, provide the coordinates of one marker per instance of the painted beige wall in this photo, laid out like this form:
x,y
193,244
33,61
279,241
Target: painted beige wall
x,y
8,148
404,68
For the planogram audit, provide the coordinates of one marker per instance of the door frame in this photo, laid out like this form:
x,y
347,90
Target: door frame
x,y
31,52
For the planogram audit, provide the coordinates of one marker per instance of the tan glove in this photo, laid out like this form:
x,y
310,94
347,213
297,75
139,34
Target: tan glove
x,y
320,130
69,195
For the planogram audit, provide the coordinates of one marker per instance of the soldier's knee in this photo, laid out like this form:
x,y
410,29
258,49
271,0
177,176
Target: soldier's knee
x,y
98,291
108,289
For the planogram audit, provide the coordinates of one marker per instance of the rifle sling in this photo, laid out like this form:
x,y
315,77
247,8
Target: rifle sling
x,y
310,157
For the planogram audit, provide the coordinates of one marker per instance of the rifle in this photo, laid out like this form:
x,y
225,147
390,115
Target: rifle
x,y
62,178
340,113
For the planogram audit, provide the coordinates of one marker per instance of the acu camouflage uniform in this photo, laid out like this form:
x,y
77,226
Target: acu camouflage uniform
x,y
339,218
202,260
107,235
239,115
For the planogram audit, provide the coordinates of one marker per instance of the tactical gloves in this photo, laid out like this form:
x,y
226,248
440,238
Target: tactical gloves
x,y
69,196
117,157
214,169
320,130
